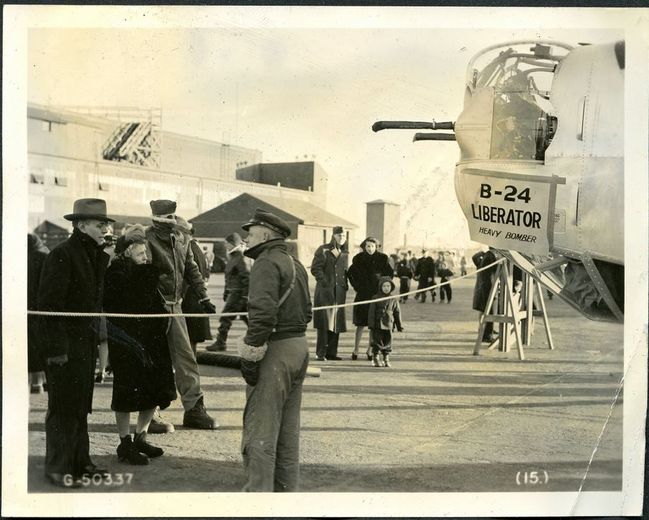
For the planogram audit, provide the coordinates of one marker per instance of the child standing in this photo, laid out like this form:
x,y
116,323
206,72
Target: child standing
x,y
382,317
445,273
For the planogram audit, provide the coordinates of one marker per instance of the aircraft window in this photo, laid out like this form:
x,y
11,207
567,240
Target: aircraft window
x,y
519,74
519,128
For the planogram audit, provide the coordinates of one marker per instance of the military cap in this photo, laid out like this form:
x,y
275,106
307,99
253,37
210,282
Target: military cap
x,y
162,207
268,220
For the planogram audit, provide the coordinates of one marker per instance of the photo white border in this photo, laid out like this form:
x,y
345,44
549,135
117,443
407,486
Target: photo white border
x,y
15,499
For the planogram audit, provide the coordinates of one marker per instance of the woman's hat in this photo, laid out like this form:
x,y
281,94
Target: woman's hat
x,y
89,209
337,230
183,225
234,239
135,234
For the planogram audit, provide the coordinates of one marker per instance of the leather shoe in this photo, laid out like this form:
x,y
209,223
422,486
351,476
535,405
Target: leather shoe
x,y
320,358
64,481
334,358
354,357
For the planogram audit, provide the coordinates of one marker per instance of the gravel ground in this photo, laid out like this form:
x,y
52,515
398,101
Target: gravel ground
x,y
440,419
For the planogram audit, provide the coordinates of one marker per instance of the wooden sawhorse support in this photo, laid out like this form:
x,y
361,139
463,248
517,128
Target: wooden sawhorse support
x,y
530,287
509,315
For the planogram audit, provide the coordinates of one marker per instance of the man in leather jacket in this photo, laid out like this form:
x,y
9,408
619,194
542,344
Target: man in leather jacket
x,y
171,254
274,357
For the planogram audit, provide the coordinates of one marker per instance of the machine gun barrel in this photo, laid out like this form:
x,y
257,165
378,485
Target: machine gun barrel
x,y
433,137
412,125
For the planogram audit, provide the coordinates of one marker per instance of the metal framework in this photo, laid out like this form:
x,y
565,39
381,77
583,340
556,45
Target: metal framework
x,y
137,138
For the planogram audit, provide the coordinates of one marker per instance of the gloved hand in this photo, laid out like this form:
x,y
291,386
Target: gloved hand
x,y
58,360
400,329
226,293
208,306
250,371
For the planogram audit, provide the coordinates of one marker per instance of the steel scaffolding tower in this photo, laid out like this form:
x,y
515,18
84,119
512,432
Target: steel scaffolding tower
x,y
137,138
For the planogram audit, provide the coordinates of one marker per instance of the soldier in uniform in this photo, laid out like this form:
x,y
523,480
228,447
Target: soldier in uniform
x,y
274,357
235,294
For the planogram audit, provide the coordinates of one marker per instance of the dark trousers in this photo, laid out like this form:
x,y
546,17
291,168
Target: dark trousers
x,y
423,283
233,303
446,290
488,331
270,443
404,287
326,343
67,446
380,341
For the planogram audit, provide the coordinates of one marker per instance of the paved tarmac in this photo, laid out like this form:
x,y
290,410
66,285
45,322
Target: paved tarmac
x,y
439,420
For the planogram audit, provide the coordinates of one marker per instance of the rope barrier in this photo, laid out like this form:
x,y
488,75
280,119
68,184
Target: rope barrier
x,y
228,314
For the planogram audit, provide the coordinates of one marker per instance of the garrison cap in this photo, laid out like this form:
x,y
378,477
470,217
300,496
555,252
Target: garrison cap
x,y
268,220
162,207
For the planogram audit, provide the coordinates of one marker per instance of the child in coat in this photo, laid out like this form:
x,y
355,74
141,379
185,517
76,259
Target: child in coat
x,y
382,317
445,273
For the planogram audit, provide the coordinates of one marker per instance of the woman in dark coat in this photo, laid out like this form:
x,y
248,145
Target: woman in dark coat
x,y
483,283
139,354
329,267
366,269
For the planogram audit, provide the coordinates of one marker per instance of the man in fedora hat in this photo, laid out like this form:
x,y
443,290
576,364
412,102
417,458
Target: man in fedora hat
x,y
172,255
235,294
329,267
72,281
274,357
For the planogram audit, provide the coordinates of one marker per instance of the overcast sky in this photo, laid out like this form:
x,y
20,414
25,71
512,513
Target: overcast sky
x,y
295,92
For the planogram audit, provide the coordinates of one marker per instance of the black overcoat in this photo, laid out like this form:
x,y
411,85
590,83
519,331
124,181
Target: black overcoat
x,y
364,274
330,272
198,328
426,268
73,281
36,255
483,281
139,354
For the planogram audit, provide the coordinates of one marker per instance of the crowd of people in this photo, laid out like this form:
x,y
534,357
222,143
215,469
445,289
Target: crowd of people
x,y
160,270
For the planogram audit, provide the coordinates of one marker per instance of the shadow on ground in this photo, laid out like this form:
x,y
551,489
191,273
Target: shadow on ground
x,y
228,476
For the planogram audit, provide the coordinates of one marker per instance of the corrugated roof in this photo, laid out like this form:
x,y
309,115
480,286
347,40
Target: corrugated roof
x,y
231,215
311,214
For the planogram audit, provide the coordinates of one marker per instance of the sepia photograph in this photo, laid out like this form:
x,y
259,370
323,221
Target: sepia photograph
x,y
390,260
